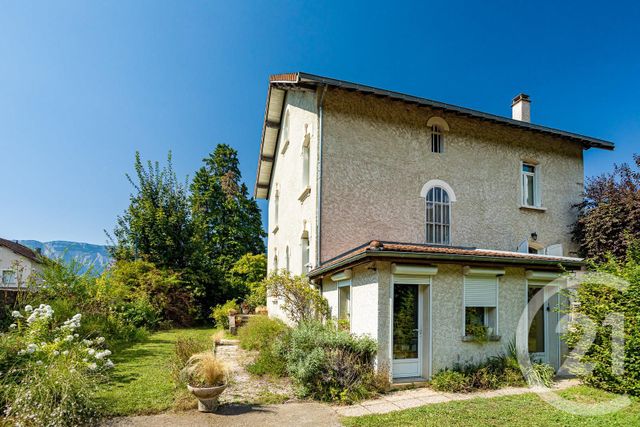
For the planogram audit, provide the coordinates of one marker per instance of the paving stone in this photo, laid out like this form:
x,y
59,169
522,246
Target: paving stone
x,y
438,398
383,408
409,403
352,411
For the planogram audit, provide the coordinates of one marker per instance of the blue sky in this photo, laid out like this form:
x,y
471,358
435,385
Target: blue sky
x,y
83,85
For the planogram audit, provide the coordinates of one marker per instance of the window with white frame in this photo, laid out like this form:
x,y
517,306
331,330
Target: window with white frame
x,y
480,305
305,163
344,300
529,181
9,277
287,258
285,133
275,261
276,208
437,139
438,216
306,264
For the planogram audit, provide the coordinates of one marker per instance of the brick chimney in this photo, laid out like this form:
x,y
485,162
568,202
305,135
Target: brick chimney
x,y
521,108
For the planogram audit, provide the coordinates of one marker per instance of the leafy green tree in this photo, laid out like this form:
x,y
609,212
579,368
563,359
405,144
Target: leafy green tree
x,y
157,224
227,222
246,279
609,215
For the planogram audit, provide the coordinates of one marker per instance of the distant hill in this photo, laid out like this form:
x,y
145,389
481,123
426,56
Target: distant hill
x,y
85,253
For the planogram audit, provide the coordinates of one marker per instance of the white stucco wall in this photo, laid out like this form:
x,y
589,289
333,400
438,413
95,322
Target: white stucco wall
x,y
24,267
295,215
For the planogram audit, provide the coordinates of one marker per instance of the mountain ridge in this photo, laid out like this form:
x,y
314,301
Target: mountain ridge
x,y
87,254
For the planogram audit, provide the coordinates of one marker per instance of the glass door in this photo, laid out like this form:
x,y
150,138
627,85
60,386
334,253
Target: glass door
x,y
407,331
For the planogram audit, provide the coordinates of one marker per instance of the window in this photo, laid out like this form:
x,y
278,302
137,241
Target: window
x,y
287,259
285,133
305,164
276,209
306,265
344,300
275,261
480,305
437,139
438,206
9,277
530,195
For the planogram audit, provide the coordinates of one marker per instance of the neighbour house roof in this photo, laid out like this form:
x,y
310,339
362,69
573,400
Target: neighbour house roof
x,y
413,252
19,249
280,83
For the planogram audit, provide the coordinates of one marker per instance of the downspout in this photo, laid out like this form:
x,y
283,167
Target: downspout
x,y
319,176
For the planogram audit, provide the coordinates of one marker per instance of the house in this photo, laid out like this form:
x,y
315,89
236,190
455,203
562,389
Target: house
x,y
425,225
19,265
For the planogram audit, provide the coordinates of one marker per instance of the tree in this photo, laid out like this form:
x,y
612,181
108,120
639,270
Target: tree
x,y
300,301
227,222
609,215
157,224
246,279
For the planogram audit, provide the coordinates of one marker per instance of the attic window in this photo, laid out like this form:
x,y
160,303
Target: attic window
x,y
437,139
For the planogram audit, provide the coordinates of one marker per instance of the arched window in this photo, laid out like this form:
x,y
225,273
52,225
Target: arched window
x,y
306,261
438,209
286,259
275,261
306,157
437,128
285,133
437,139
276,207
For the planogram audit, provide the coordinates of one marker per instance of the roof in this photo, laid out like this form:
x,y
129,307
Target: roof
x,y
19,249
376,249
280,83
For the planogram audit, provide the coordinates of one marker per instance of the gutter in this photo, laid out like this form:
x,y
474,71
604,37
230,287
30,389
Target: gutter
x,y
455,259
319,176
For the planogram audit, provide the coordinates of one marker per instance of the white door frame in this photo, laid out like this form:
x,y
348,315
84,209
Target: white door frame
x,y
544,357
424,284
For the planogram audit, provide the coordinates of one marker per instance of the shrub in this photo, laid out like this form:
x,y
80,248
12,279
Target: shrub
x,y
450,381
220,313
260,333
205,370
329,364
268,362
48,372
300,301
246,279
597,299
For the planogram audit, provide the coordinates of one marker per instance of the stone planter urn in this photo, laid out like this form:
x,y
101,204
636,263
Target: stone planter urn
x,y
207,397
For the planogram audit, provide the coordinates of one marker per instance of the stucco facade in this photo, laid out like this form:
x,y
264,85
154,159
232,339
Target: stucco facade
x,y
362,187
296,200
25,269
376,159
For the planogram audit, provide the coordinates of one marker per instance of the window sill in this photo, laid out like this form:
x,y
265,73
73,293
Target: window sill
x,y
471,338
305,194
275,229
533,208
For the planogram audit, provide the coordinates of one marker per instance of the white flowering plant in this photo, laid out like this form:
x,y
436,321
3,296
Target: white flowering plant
x,y
48,371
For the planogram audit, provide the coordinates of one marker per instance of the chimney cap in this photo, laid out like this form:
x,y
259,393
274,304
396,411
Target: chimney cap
x,y
521,97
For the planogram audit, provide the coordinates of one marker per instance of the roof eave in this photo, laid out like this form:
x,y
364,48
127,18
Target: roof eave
x,y
444,258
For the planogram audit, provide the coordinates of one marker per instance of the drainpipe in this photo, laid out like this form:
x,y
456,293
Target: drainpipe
x,y
319,176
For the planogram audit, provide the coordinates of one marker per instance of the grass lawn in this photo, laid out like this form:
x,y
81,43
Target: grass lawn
x,y
523,410
141,381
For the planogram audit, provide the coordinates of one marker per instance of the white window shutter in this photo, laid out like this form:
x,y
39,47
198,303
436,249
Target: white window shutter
x,y
480,291
554,250
523,247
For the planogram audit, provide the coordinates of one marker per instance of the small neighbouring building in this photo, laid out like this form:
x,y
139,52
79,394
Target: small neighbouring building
x,y
19,265
422,223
